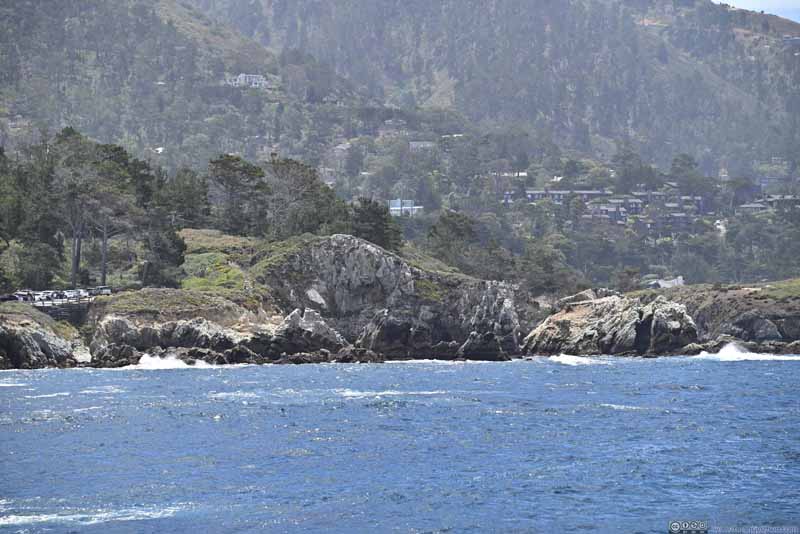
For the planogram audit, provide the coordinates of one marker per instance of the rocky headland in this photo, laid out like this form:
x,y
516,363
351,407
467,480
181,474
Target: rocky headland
x,y
342,299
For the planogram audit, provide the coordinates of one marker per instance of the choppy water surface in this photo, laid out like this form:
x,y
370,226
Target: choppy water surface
x,y
551,445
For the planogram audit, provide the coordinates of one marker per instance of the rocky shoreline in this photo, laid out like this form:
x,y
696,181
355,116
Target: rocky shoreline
x,y
341,299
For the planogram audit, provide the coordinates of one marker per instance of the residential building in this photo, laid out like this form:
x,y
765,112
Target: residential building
x,y
421,146
404,208
256,81
752,208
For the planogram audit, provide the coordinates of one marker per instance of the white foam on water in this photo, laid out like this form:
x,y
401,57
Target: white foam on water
x,y
234,395
148,362
622,407
89,409
11,385
354,394
435,362
566,359
92,518
734,353
48,396
102,390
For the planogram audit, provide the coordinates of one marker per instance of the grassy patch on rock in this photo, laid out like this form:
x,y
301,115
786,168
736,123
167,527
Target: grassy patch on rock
x,y
168,304
416,258
203,241
211,271
784,290
429,290
271,256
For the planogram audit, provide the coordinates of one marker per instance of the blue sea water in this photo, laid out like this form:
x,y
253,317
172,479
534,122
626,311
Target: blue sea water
x,y
549,445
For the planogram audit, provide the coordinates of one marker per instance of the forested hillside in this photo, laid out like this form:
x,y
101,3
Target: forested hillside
x,y
670,76
559,144
149,75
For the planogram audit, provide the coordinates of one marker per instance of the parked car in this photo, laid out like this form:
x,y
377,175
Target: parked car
x,y
100,290
25,295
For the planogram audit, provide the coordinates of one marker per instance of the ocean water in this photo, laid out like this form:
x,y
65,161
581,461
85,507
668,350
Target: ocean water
x,y
550,445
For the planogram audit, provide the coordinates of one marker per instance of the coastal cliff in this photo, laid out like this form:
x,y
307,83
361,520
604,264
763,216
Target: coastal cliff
x,y
342,299
30,339
613,324
314,299
763,318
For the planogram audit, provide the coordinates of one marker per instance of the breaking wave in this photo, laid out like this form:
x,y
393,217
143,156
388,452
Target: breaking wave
x,y
353,394
566,359
155,363
734,353
48,396
92,518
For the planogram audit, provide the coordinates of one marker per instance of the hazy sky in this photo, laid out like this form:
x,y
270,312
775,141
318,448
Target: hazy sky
x,y
785,8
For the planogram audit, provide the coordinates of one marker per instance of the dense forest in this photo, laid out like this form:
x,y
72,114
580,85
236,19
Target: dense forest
x,y
74,212
121,127
668,76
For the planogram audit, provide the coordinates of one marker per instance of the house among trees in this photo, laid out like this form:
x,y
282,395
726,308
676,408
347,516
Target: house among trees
x,y
421,146
256,81
752,208
404,208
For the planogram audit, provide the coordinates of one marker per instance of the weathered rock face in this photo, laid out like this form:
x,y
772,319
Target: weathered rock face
x,y
380,302
28,341
752,315
344,299
120,341
307,332
614,325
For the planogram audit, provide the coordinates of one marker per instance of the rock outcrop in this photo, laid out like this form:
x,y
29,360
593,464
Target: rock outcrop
x,y
760,318
613,325
332,299
31,340
380,302
120,341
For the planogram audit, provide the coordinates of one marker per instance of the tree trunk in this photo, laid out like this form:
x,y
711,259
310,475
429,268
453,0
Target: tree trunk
x,y
77,241
104,255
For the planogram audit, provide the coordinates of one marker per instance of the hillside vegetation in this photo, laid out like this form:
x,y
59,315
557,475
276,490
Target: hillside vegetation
x,y
670,76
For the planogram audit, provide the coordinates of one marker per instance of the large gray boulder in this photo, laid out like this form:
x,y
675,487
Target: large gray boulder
x,y
614,325
307,331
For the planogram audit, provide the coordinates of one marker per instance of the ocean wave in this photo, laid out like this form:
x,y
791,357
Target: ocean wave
x,y
48,396
566,359
148,362
92,518
11,385
354,394
734,353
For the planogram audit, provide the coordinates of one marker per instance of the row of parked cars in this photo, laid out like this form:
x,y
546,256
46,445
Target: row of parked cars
x,y
27,295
